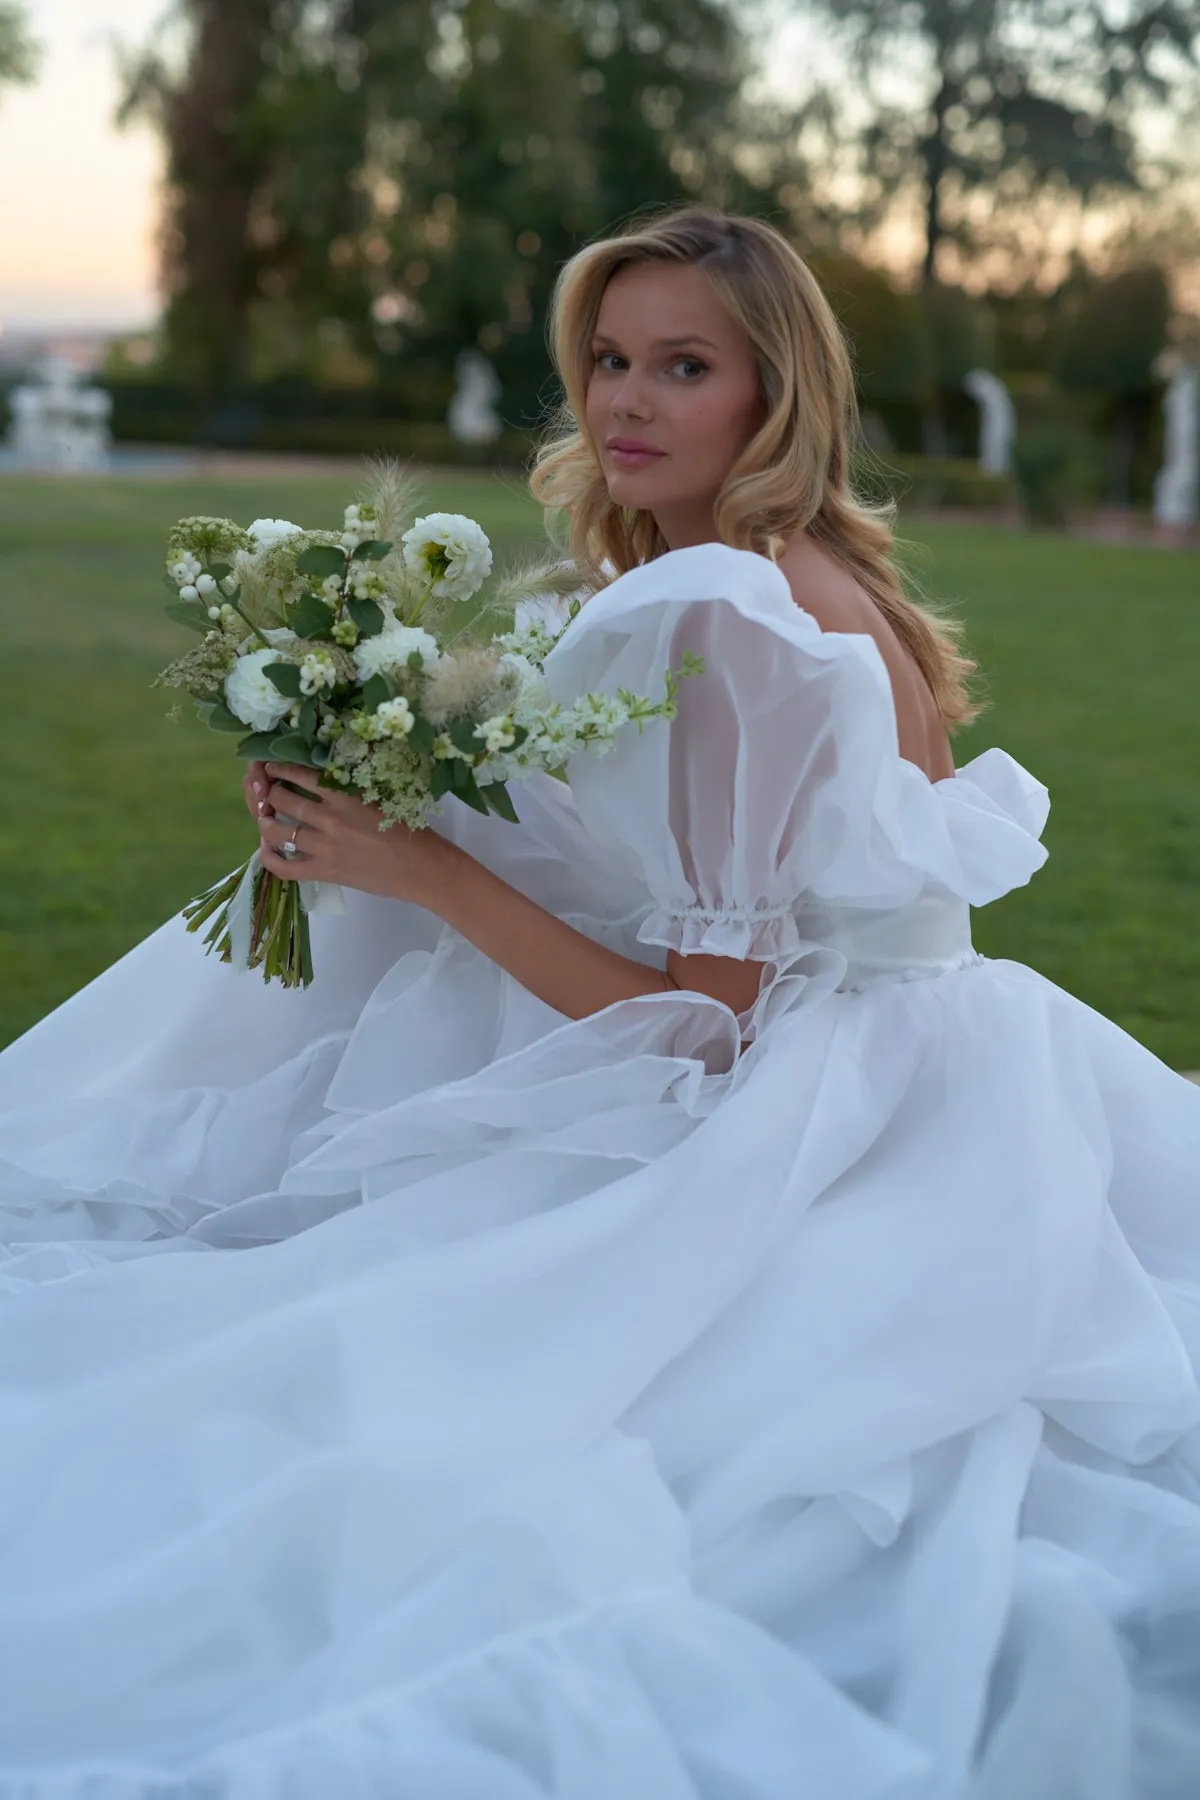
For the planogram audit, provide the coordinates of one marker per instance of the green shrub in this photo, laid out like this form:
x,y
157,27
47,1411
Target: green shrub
x,y
929,482
1058,470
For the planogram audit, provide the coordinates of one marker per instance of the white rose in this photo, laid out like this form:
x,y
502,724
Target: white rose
x,y
451,549
250,696
392,646
267,532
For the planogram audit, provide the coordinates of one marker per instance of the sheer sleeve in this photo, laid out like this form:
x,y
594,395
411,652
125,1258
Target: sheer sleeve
x,y
771,782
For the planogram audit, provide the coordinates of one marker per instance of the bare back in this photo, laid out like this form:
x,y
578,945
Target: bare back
x,y
837,602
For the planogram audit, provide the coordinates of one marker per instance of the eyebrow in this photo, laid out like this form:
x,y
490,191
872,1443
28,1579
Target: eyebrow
x,y
598,337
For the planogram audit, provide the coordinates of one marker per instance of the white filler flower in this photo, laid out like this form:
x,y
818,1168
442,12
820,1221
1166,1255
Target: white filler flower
x,y
497,734
452,550
267,532
394,717
250,696
392,647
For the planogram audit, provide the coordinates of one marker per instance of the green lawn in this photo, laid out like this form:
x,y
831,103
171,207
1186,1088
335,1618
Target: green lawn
x,y
115,816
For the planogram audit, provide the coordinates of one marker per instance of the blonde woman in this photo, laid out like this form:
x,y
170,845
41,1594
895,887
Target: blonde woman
x,y
662,1318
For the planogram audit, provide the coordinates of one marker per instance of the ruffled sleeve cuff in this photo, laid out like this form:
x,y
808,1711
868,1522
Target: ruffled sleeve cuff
x,y
751,934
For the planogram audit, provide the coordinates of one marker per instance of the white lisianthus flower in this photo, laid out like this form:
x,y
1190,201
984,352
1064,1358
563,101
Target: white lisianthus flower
x,y
450,549
268,532
391,647
497,734
395,717
250,696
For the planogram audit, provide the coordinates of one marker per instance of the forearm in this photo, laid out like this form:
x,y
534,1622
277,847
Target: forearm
x,y
562,966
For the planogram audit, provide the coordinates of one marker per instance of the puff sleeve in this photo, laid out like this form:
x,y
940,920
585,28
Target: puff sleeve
x,y
773,780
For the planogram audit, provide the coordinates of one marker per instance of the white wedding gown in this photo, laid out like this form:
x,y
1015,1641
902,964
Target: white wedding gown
x,y
409,1393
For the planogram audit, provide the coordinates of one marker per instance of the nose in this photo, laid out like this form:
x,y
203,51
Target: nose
x,y
630,397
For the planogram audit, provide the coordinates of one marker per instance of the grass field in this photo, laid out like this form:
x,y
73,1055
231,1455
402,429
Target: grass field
x,y
113,816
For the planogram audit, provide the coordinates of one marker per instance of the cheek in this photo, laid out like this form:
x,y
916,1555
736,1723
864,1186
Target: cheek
x,y
716,423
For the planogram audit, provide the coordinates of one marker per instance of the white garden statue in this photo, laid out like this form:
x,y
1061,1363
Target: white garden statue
x,y
57,423
472,415
999,421
1177,487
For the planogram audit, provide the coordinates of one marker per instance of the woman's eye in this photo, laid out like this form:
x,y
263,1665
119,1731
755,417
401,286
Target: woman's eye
x,y
691,362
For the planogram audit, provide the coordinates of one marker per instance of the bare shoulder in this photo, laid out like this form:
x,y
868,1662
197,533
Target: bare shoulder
x,y
830,594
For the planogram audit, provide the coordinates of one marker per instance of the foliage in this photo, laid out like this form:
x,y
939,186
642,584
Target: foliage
x,y
19,54
1020,96
1111,332
1057,470
358,185
925,483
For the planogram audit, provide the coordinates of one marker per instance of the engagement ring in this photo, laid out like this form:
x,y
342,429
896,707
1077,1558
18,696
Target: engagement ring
x,y
288,848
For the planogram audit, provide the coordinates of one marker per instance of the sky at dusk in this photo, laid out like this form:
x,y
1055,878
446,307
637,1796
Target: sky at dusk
x,y
77,197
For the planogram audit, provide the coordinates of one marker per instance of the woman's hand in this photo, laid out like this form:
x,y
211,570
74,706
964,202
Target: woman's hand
x,y
338,838
255,783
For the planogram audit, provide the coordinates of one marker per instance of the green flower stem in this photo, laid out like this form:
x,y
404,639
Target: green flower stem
x,y
420,606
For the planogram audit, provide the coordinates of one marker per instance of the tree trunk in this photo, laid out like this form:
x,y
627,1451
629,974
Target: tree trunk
x,y
215,167
934,158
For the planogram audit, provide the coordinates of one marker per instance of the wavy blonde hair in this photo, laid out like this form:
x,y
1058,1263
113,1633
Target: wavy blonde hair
x,y
794,474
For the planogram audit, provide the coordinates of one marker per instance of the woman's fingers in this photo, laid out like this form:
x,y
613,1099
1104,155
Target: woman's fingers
x,y
281,799
295,773
255,785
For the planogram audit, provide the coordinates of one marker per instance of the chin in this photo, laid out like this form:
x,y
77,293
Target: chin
x,y
634,487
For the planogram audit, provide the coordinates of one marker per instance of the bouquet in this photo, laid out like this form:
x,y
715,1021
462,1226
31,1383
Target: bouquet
x,y
353,652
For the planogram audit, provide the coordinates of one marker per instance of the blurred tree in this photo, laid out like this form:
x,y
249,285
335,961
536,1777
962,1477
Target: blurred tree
x,y
1109,334
368,187
911,350
1016,96
545,124
19,55
207,107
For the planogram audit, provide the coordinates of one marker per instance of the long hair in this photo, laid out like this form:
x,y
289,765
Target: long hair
x,y
793,475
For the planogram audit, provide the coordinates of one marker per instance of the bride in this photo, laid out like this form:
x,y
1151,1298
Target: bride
x,y
661,1317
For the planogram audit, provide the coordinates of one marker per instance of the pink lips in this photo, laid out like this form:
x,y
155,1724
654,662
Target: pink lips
x,y
632,452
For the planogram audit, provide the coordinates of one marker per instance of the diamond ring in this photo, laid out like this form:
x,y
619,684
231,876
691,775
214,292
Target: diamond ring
x,y
288,847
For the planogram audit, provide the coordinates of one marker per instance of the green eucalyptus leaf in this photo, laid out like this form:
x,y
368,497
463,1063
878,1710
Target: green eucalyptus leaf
x,y
256,747
374,550
306,724
285,676
380,688
310,618
462,736
500,801
323,560
469,791
322,755
441,779
291,747
191,616
422,737
219,718
367,616
219,570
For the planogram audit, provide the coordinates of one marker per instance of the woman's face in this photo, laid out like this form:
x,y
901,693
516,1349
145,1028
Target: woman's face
x,y
673,397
